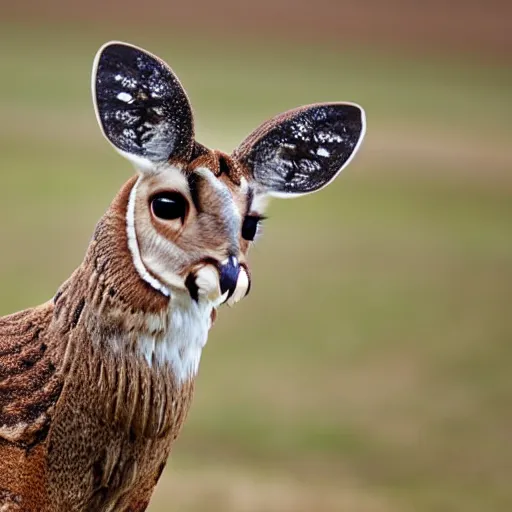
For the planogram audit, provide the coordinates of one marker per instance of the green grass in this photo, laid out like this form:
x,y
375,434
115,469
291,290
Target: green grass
x,y
370,367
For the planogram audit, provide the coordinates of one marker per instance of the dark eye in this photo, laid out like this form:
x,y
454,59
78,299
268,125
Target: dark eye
x,y
250,226
169,206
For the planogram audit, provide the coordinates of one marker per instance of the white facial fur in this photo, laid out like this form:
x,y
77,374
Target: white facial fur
x,y
133,245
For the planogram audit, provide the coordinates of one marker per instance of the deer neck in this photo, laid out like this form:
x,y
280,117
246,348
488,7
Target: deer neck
x,y
121,312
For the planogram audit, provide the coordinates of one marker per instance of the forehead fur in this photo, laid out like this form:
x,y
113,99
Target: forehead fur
x,y
221,164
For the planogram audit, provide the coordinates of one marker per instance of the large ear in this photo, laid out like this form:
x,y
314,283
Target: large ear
x,y
141,106
304,149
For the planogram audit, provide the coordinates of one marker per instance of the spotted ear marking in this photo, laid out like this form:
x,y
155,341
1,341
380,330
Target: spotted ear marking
x,y
303,150
141,106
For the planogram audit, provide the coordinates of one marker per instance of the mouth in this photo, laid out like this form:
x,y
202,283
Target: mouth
x,y
225,283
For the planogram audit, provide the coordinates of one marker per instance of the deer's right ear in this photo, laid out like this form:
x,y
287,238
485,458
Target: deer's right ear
x,y
141,106
304,149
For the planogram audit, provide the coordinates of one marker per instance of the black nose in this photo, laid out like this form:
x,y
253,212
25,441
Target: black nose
x,y
229,272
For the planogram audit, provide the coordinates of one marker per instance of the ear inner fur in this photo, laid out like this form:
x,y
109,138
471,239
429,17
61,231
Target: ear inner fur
x,y
302,150
141,106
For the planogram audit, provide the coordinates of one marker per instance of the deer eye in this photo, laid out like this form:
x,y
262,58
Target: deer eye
x,y
169,206
250,226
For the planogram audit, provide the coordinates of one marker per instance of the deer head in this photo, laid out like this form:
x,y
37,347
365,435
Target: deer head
x,y
193,213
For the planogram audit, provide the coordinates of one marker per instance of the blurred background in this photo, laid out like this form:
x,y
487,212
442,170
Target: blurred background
x,y
370,370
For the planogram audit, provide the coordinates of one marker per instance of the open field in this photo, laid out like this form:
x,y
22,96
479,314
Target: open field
x,y
370,369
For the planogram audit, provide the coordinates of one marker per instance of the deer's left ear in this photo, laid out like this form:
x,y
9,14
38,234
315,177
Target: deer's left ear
x,y
304,149
141,106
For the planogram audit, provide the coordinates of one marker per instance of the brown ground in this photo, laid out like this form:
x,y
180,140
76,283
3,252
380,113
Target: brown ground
x,y
467,26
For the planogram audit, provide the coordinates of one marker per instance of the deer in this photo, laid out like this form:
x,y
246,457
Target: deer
x,y
96,384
